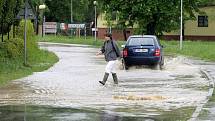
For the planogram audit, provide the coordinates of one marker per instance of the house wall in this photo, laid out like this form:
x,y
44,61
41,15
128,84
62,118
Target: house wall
x,y
193,32
192,26
116,33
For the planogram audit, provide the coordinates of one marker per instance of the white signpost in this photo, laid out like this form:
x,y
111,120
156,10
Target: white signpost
x,y
78,26
50,28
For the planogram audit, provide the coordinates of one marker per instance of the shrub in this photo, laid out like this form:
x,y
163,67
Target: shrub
x,y
31,42
14,48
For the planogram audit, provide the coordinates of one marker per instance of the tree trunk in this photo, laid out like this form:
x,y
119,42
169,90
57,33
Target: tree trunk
x,y
183,27
152,25
150,28
2,37
37,27
124,34
8,33
37,21
14,29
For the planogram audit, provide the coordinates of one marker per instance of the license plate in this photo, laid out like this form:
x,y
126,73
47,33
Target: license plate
x,y
141,50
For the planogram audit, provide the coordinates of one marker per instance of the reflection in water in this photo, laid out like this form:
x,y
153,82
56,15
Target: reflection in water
x,y
108,117
47,113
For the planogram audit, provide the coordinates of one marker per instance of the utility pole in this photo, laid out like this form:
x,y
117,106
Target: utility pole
x,y
181,33
71,12
71,16
25,38
95,4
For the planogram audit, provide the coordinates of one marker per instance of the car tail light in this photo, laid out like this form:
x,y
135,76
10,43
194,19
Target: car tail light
x,y
157,52
125,52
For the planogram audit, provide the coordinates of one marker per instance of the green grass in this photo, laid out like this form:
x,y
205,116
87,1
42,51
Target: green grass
x,y
14,68
74,40
197,49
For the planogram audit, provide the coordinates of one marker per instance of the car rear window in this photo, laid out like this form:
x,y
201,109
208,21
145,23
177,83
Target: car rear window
x,y
141,41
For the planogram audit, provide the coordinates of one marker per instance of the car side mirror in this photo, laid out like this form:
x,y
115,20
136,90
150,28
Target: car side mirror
x,y
122,46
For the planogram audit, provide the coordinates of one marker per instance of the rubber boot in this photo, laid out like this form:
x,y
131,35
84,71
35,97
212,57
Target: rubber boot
x,y
115,79
104,79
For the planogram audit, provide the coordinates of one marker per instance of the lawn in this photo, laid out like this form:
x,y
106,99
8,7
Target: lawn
x,y
14,68
74,40
197,49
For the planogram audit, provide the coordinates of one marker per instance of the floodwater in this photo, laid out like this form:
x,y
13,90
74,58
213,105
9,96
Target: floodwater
x,y
69,91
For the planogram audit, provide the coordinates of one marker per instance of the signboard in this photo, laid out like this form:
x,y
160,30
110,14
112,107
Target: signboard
x,y
50,27
30,13
93,29
75,26
62,26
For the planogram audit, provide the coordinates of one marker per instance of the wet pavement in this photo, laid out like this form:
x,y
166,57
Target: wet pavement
x,y
70,90
208,111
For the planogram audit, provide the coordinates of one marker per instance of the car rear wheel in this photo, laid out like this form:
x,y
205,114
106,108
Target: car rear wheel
x,y
156,66
125,66
162,63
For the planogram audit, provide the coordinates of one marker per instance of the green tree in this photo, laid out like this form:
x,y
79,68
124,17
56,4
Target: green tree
x,y
152,16
1,7
8,11
7,16
60,10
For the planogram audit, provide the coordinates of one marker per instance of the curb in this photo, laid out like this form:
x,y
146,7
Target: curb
x,y
210,93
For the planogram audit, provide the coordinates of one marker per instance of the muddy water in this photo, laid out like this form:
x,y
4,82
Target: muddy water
x,y
70,90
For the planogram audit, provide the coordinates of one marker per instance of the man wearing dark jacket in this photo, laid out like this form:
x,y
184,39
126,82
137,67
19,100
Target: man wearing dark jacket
x,y
111,53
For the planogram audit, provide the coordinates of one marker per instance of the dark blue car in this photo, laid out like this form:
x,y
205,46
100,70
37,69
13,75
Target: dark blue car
x,y
143,50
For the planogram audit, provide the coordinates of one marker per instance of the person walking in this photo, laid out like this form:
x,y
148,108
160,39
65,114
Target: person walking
x,y
111,53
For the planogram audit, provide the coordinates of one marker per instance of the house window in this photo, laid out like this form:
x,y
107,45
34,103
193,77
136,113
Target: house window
x,y
202,21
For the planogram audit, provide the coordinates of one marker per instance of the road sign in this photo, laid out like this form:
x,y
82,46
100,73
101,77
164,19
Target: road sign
x,y
30,13
26,13
93,29
80,26
50,27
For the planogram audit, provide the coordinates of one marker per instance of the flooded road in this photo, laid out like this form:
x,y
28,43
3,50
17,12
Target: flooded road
x,y
69,91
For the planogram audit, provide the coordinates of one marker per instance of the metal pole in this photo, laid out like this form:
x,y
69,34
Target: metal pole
x,y
85,32
71,17
25,38
43,24
37,25
95,23
44,19
181,36
71,12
